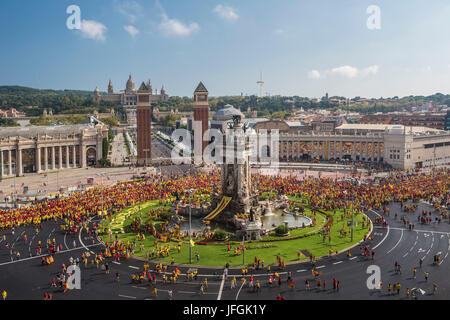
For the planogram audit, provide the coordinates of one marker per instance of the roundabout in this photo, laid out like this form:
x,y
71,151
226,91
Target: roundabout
x,y
404,222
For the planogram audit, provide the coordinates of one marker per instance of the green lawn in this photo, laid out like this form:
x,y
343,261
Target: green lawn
x,y
217,254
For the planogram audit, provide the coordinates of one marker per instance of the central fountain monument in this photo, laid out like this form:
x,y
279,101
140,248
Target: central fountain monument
x,y
236,171
236,205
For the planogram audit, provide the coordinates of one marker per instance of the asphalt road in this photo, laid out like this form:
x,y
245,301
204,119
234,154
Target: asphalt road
x,y
26,278
119,151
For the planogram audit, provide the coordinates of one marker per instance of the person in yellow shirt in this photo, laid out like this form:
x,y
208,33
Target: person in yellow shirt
x,y
4,294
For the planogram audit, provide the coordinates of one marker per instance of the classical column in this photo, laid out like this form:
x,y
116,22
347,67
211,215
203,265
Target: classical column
x,y
286,150
19,167
83,156
367,151
354,150
336,155
291,150
53,158
335,149
38,159
60,165
379,151
324,151
1,164
74,153
67,157
373,150
316,151
361,151
9,163
45,159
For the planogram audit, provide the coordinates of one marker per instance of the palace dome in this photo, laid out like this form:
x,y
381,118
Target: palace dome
x,y
227,113
130,85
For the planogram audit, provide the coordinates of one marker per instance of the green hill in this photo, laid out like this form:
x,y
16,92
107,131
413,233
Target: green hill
x,y
34,101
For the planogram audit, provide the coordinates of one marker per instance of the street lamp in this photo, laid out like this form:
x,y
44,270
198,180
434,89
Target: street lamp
x,y
190,224
243,250
15,174
57,181
353,200
101,175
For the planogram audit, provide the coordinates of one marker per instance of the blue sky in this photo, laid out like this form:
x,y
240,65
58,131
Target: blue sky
x,y
303,47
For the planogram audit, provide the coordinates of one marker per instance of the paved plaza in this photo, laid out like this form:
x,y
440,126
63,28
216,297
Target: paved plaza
x,y
393,243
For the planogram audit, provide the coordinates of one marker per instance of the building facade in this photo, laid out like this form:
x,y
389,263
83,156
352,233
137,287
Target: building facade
x,y
128,98
43,149
424,119
447,121
398,146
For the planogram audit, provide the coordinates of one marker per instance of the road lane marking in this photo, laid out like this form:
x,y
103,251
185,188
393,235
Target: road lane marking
x,y
386,235
426,254
115,262
79,237
239,291
353,258
219,296
320,267
338,262
414,245
44,255
424,231
129,297
133,267
65,244
401,236
303,270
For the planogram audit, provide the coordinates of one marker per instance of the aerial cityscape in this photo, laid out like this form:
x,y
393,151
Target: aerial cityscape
x,y
236,151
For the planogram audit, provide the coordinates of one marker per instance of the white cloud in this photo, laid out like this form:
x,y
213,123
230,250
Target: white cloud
x,y
131,30
176,27
372,70
93,30
130,9
314,74
345,71
226,13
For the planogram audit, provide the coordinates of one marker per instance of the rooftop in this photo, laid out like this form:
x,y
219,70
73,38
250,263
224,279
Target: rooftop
x,y
227,113
383,127
33,131
201,88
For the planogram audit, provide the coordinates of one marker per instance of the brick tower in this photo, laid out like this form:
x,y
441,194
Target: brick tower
x,y
201,116
144,126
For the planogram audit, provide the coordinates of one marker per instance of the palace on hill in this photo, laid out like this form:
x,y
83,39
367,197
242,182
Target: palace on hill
x,y
128,98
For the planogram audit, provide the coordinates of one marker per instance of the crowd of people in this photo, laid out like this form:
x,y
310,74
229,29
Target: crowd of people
x,y
326,193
